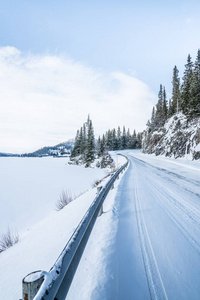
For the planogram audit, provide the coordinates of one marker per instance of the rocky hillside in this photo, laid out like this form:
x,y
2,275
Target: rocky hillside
x,y
177,138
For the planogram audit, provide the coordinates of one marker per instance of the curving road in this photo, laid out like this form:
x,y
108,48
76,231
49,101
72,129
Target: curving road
x,y
158,236
146,245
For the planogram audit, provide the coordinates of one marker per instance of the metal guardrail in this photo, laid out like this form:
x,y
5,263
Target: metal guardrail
x,y
55,284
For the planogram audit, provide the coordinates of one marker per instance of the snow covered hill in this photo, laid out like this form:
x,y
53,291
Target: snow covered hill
x,y
178,138
8,154
62,149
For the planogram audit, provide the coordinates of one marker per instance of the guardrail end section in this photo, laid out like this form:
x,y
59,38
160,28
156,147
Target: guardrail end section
x,y
101,211
99,188
31,284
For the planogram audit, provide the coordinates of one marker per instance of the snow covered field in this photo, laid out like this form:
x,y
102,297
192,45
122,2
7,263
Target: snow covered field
x,y
144,246
30,187
29,190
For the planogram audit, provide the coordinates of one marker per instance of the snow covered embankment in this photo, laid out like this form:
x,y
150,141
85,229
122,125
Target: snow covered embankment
x,y
178,138
29,189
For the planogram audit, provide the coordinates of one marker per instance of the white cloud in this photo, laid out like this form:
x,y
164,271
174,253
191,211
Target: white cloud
x,y
45,99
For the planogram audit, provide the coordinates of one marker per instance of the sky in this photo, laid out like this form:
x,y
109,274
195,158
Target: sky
x,y
62,60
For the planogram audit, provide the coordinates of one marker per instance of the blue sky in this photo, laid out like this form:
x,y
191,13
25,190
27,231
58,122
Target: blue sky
x,y
145,37
141,39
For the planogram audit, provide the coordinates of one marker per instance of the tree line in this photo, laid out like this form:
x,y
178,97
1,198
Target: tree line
x,y
185,95
116,139
86,148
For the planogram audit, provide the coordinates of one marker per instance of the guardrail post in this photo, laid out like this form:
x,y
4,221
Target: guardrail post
x,y
99,189
101,209
31,284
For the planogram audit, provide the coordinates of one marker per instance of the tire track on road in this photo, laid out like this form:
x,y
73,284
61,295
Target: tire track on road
x,y
172,177
155,283
194,242
183,206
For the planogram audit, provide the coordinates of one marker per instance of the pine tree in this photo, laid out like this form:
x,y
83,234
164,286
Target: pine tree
x,y
98,146
103,145
76,150
84,145
170,109
114,139
109,140
133,144
165,108
194,101
119,140
128,139
81,142
175,91
159,109
186,86
124,139
139,140
84,139
90,147
153,116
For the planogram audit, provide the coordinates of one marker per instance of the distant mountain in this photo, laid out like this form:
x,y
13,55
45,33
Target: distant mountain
x,y
177,138
8,154
62,149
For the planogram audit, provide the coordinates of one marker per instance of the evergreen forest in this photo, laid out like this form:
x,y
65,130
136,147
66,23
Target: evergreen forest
x,y
185,96
86,148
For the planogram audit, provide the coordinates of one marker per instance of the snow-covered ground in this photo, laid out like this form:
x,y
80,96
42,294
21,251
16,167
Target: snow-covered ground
x,y
144,246
30,187
29,190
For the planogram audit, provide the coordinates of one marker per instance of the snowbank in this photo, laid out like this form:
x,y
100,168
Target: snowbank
x,y
29,189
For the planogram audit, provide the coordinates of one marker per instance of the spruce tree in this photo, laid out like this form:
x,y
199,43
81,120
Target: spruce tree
x,y
159,109
175,92
103,145
90,147
114,139
139,140
153,116
76,150
84,139
98,146
81,142
124,139
165,108
128,139
170,109
186,86
109,140
194,101
119,140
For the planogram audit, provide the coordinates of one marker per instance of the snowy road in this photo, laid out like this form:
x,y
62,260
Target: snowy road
x,y
165,215
154,252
